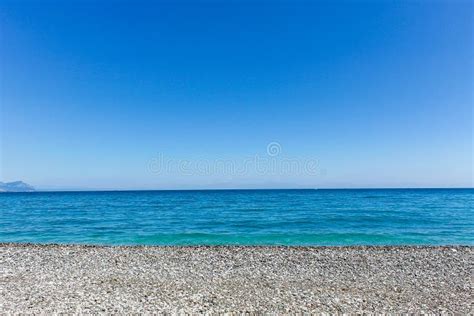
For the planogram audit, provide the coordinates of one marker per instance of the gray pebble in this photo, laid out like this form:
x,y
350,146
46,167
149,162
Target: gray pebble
x,y
91,279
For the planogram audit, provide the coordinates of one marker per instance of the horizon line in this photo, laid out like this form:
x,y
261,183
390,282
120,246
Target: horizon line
x,y
242,189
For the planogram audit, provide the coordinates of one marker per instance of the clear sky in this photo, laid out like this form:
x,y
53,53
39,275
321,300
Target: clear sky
x,y
379,93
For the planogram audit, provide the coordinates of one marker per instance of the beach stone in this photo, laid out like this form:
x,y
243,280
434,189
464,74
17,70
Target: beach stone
x,y
77,279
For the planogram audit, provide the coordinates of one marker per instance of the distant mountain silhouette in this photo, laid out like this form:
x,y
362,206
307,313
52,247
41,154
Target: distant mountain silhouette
x,y
16,186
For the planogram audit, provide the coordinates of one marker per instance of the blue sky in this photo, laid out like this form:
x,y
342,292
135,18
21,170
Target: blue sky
x,y
378,93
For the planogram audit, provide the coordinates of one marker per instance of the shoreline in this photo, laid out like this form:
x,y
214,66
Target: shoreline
x,y
257,246
55,278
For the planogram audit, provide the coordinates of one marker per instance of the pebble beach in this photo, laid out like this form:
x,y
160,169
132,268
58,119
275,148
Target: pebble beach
x,y
218,279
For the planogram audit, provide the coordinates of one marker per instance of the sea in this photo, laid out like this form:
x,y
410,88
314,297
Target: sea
x,y
241,217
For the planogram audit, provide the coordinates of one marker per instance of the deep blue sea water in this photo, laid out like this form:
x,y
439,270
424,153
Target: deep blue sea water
x,y
247,217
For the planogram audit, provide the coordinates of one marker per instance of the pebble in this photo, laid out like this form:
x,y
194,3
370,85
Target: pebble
x,y
79,279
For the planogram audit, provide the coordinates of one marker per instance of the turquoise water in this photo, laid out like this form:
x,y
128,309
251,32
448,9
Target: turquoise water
x,y
247,217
